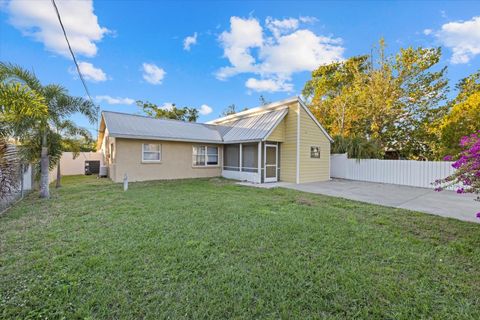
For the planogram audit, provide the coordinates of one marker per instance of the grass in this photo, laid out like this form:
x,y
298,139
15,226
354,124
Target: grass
x,y
212,249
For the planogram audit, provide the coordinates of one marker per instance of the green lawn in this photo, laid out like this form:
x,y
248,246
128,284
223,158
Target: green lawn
x,y
213,249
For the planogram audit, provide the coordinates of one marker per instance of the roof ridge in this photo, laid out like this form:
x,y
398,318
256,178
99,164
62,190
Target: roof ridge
x,y
252,111
161,119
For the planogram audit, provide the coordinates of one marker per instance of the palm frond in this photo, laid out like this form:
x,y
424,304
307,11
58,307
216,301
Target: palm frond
x,y
10,72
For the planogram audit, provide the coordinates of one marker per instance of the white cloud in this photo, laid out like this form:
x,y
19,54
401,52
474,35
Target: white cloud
x,y
427,32
268,85
37,19
205,109
244,34
152,73
89,72
462,37
189,41
289,49
115,100
279,27
299,51
307,19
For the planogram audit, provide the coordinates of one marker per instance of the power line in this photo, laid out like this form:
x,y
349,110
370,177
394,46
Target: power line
x,y
74,58
71,51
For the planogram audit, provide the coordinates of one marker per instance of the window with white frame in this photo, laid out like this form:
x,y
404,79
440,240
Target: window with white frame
x,y
151,152
205,156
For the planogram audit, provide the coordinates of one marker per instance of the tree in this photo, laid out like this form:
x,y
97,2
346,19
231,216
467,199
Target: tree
x,y
20,108
390,99
332,94
356,147
462,118
71,139
231,109
59,106
263,101
9,170
466,177
174,113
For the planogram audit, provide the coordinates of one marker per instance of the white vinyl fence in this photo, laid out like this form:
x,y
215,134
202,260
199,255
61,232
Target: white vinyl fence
x,y
403,172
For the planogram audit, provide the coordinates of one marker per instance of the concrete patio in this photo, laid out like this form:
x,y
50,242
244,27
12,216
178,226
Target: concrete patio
x,y
446,203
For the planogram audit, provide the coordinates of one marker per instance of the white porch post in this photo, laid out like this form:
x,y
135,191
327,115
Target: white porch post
x,y
241,160
260,162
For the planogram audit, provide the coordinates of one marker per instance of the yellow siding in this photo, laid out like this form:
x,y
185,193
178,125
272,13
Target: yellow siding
x,y
176,162
313,169
288,149
278,134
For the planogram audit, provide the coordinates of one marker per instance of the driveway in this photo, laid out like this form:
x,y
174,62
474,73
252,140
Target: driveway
x,y
445,203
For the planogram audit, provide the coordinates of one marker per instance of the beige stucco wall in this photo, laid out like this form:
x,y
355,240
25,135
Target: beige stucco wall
x,y
176,162
313,169
288,148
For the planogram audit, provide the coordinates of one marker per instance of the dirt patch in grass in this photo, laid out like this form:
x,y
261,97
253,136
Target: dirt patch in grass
x,y
304,201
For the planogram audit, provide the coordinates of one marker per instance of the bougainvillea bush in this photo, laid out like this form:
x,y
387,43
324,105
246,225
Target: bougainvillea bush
x,y
466,178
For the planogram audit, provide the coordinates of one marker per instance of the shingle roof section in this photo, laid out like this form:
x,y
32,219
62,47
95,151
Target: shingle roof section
x,y
251,128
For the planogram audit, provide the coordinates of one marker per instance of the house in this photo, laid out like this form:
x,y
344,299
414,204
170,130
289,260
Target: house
x,y
281,141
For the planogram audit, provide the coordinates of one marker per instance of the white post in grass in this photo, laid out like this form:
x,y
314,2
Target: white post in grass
x,y
125,182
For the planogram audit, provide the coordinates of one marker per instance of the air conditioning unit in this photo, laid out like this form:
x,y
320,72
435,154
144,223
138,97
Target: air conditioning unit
x,y
103,172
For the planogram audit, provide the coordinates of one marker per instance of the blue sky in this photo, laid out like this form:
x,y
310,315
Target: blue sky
x,y
209,55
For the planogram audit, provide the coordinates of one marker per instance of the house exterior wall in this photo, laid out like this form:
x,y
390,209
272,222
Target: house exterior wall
x,y
176,162
288,150
313,169
278,133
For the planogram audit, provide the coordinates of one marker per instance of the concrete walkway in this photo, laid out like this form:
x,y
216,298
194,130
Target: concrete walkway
x,y
445,203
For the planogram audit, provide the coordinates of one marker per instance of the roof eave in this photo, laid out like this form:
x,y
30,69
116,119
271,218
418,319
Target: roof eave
x,y
304,106
140,137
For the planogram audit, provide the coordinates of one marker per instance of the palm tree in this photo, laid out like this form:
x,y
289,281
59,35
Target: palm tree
x,y
20,108
60,106
69,133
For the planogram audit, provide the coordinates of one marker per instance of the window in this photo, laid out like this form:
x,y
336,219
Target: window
x,y
315,152
151,152
231,157
250,157
205,156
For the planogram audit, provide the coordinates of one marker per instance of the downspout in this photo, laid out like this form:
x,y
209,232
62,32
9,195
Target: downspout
x,y
297,180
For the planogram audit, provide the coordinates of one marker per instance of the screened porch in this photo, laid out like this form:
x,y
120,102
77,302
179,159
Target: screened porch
x,y
256,162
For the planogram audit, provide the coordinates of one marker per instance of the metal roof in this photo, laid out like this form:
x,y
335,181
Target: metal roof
x,y
254,127
124,125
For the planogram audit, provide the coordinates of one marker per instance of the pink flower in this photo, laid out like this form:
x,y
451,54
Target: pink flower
x,y
460,190
478,215
448,158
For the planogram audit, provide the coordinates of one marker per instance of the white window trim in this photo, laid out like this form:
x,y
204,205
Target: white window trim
x,y
159,152
206,156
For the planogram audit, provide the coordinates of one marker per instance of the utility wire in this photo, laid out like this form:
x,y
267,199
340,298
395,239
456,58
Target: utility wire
x,y
73,56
